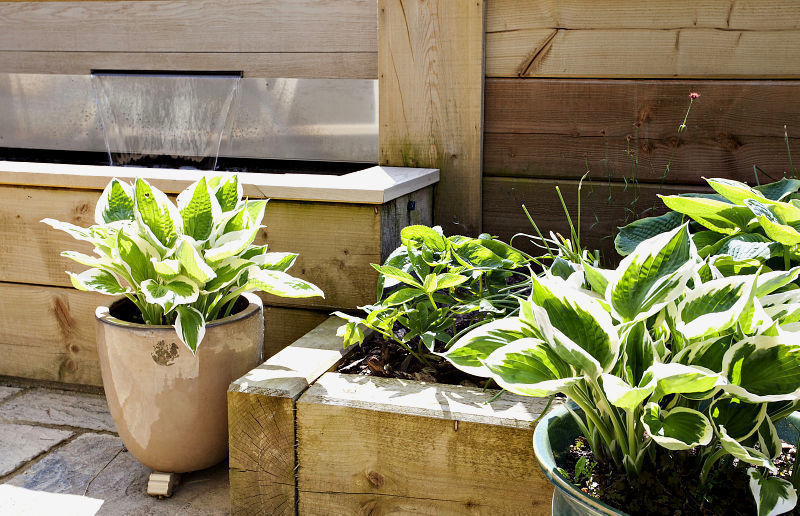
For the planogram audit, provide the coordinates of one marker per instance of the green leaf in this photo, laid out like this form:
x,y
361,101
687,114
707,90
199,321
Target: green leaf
x,y
429,237
677,429
638,352
653,275
530,368
707,353
477,344
674,378
280,284
719,216
166,269
622,395
275,261
764,368
403,296
640,230
351,333
227,271
779,189
768,440
253,251
229,194
743,453
190,326
429,284
740,418
193,263
115,203
734,191
749,246
448,280
154,211
714,306
197,210
135,254
773,495
97,280
769,282
397,274
180,290
230,244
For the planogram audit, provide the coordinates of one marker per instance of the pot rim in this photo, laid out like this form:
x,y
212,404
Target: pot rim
x,y
103,316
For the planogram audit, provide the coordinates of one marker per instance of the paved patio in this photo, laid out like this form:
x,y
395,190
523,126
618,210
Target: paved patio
x,y
60,454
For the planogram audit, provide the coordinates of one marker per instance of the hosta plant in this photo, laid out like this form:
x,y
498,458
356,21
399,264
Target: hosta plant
x,y
759,223
665,352
185,264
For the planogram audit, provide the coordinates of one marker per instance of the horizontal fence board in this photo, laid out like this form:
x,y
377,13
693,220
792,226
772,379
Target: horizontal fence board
x,y
550,127
302,65
336,242
604,207
191,26
507,15
643,53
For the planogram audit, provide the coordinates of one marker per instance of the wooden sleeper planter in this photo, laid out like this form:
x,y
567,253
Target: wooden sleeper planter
x,y
369,445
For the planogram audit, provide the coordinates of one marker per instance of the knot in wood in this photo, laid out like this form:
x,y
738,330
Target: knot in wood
x,y
375,478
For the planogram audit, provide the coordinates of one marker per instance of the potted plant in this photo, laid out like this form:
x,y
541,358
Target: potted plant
x,y
672,363
187,323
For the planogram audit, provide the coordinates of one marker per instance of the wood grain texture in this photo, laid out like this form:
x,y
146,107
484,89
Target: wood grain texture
x,y
408,210
422,449
605,206
48,333
550,128
282,326
713,38
261,408
190,26
430,74
301,65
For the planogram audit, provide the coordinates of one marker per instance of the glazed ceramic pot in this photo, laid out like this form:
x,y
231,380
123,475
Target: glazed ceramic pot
x,y
551,441
170,406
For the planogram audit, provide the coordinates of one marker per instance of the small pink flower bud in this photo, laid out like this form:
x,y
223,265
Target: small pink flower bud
x,y
694,95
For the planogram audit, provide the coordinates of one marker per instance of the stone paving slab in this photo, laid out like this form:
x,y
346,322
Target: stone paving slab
x,y
53,407
5,392
21,443
100,463
25,502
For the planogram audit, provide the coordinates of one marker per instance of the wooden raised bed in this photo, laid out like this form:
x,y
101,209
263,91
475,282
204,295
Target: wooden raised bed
x,y
368,445
338,224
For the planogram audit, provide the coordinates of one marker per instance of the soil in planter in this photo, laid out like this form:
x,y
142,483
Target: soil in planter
x,y
378,356
672,488
125,310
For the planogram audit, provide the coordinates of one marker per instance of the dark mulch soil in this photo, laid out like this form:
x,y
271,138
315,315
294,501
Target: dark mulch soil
x,y
672,488
378,356
125,310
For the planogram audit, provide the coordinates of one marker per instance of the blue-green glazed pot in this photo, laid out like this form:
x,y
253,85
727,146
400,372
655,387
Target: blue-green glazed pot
x,y
551,441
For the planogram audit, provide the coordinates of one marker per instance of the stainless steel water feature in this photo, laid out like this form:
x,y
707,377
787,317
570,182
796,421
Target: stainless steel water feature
x,y
298,119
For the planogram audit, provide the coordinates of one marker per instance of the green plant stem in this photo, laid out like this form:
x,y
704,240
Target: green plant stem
x,y
786,261
578,397
622,436
709,463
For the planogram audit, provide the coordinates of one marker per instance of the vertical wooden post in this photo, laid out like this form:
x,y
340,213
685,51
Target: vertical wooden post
x,y
430,74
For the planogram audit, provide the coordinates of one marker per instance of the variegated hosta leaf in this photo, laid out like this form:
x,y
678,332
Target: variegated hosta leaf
x,y
769,441
677,429
193,263
76,232
638,352
156,214
773,495
740,418
134,253
764,368
198,208
673,378
598,279
97,280
468,352
280,284
180,290
275,261
115,203
707,353
769,282
575,325
229,193
190,326
166,269
749,246
726,266
640,230
734,191
530,368
227,272
743,453
89,261
720,216
622,395
230,244
653,275
713,307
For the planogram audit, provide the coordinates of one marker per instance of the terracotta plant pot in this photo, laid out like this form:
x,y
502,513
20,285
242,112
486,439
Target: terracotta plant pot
x,y
170,406
551,440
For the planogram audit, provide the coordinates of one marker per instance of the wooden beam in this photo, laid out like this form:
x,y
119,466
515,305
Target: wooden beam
x,y
301,65
422,448
604,207
551,128
261,422
581,38
430,73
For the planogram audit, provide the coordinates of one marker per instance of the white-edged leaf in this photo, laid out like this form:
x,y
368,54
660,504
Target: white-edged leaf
x,y
98,280
231,244
190,326
677,429
744,453
115,203
280,284
476,345
713,307
156,214
773,495
198,208
76,232
622,395
193,263
274,261
180,290
166,269
764,368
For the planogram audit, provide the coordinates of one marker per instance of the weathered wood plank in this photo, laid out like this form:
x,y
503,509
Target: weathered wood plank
x,y
408,210
430,74
605,206
190,26
262,422
550,128
48,333
507,15
301,65
422,448
643,53
282,326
